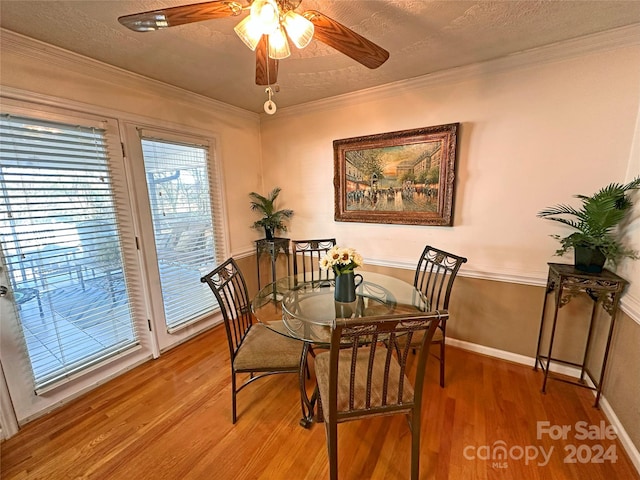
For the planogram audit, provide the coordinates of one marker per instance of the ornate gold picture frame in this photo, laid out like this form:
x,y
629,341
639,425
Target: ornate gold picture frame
x,y
405,177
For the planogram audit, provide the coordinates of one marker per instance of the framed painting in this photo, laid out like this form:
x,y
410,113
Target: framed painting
x,y
404,177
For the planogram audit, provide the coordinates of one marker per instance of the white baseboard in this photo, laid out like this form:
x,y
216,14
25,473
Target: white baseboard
x,y
606,408
622,434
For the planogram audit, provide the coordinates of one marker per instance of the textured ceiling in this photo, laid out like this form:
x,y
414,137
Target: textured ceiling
x,y
422,37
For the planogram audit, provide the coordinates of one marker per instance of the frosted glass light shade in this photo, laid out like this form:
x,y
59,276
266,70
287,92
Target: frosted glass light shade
x,y
249,32
267,14
299,29
278,45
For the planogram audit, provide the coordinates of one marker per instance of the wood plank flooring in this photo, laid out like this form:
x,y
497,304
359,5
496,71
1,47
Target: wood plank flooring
x,y
170,419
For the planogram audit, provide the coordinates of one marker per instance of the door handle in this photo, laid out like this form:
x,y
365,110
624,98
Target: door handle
x,y
3,290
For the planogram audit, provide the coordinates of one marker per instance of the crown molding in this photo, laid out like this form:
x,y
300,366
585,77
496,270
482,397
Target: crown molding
x,y
20,45
622,37
612,39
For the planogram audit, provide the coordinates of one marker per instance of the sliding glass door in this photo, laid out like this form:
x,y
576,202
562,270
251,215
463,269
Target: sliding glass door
x,y
70,266
102,252
181,227
180,201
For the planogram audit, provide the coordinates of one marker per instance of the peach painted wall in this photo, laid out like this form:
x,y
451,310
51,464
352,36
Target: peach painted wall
x,y
530,137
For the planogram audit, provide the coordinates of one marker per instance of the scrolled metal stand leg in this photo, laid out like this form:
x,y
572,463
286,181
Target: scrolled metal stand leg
x,y
307,404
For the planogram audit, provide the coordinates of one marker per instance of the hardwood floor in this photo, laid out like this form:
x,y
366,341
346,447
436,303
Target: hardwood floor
x,y
171,419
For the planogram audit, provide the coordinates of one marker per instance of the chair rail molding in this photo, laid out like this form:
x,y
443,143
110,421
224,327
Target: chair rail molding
x,y
629,304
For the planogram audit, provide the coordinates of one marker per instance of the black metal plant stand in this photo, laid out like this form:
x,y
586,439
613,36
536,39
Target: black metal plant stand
x,y
273,247
604,289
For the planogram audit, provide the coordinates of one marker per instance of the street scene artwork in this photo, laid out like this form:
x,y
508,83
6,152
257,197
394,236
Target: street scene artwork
x,y
399,177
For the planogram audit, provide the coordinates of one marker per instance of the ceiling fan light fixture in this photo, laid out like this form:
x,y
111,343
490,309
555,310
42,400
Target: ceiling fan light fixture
x,y
266,30
267,15
249,32
299,29
278,45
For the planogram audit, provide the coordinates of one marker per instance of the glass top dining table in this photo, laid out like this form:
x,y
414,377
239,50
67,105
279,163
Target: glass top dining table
x,y
306,310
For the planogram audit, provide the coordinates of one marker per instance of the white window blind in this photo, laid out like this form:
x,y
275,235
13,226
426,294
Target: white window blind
x,y
62,246
182,195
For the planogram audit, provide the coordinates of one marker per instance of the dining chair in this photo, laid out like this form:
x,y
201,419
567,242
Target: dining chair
x,y
365,374
254,349
307,255
435,273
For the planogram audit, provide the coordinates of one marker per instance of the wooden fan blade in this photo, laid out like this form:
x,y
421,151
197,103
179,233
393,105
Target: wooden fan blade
x,y
170,17
346,40
264,62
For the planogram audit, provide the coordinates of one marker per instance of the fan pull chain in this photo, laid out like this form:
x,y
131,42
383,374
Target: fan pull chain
x,y
269,106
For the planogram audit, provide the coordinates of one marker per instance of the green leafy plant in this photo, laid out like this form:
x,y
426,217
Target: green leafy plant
x,y
272,220
596,221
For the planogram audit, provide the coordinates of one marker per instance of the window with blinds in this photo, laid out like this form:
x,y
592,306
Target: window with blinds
x,y
179,183
62,246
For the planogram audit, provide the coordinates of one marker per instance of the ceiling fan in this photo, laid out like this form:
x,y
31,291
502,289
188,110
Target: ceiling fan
x,y
267,30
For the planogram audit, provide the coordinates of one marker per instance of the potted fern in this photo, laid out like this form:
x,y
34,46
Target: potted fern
x,y
596,239
272,220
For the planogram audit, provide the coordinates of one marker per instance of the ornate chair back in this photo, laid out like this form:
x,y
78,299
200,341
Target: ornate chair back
x,y
252,346
307,255
365,374
435,273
